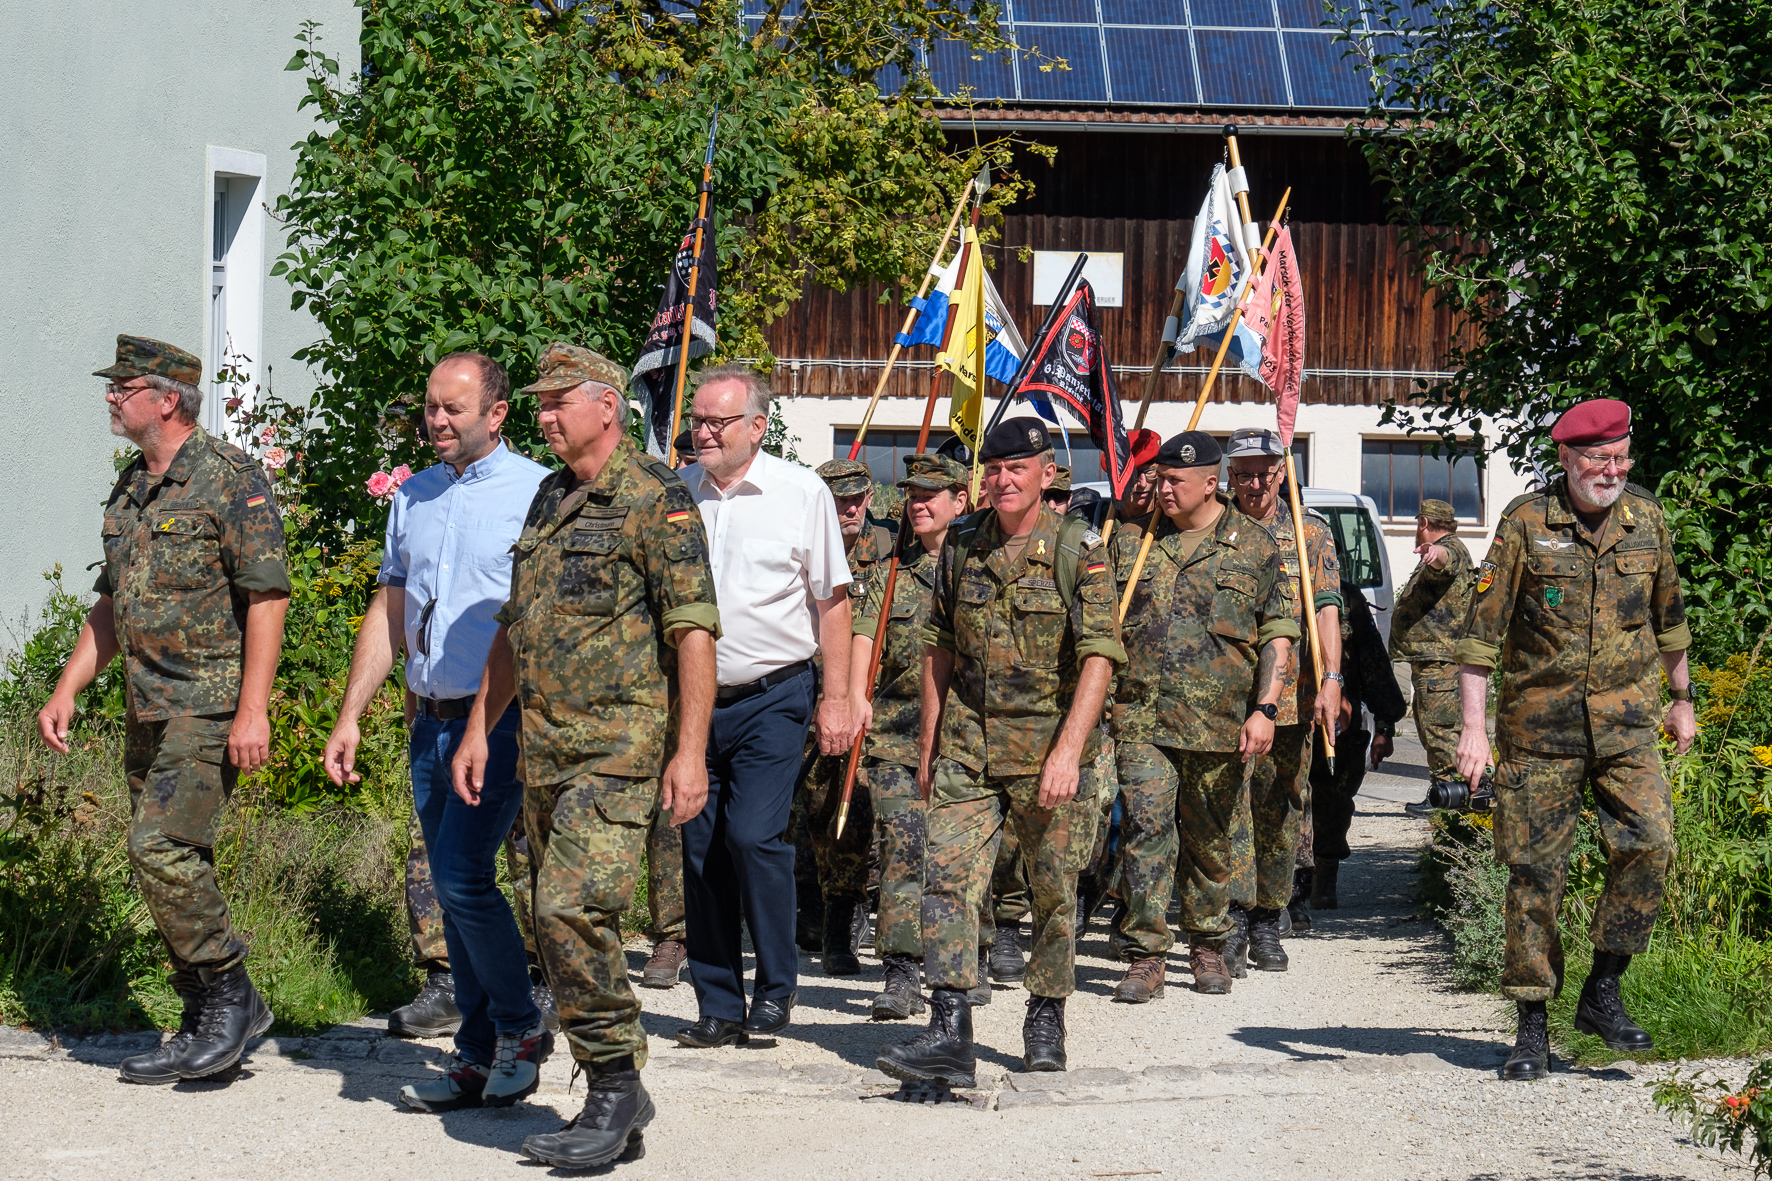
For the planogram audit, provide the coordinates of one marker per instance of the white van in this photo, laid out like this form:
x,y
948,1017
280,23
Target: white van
x,y
1359,546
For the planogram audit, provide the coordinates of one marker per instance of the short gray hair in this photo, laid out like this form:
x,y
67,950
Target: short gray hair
x,y
190,398
757,393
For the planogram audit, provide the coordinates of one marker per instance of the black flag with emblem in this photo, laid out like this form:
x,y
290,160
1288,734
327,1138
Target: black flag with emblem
x,y
655,373
1069,365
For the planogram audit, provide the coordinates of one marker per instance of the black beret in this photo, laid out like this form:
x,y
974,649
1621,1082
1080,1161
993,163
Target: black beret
x,y
1015,438
1190,449
956,450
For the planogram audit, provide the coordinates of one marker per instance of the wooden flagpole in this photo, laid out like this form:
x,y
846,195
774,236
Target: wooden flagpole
x,y
910,320
701,217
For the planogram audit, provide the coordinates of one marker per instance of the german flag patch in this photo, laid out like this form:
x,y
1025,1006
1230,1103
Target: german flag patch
x,y
1096,567
681,514
254,501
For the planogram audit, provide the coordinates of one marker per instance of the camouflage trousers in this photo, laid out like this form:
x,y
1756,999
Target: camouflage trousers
x,y
664,881
1107,788
1538,798
899,817
179,781
968,813
1439,714
1264,844
1010,897
1331,814
424,914
586,841
841,863
1201,792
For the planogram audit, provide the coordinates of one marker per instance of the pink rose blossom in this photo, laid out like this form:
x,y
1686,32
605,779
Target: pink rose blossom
x,y
381,484
233,404
265,436
276,459
401,474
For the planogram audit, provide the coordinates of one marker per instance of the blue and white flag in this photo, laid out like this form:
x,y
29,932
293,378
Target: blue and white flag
x,y
1003,353
1218,270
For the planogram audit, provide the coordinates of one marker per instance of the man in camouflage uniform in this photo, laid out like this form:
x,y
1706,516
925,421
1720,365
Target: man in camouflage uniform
x,y
834,871
1058,497
1269,824
665,907
607,643
1429,613
1209,632
1579,604
935,491
1022,632
193,594
1369,682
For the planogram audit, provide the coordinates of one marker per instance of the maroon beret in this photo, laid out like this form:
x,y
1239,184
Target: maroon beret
x,y
1590,423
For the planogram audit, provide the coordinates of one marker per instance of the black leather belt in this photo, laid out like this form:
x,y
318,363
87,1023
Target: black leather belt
x,y
727,694
449,709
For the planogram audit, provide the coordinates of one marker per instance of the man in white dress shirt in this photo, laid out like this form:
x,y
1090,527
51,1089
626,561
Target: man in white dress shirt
x,y
780,576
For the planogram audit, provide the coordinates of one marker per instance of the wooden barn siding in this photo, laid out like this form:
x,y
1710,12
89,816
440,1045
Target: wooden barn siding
x,y
1364,309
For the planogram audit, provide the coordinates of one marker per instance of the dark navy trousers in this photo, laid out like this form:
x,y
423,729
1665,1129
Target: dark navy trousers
x,y
737,864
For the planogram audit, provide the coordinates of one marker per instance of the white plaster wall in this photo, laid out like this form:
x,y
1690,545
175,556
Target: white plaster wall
x,y
106,122
1334,434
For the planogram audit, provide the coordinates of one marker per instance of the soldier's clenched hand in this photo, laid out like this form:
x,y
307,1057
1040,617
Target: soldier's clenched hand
x,y
1681,725
1058,780
1256,738
684,788
249,741
53,723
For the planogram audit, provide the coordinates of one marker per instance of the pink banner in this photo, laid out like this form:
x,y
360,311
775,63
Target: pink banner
x,y
1281,312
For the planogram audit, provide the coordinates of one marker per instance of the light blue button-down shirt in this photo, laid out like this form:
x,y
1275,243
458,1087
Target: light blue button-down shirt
x,y
449,547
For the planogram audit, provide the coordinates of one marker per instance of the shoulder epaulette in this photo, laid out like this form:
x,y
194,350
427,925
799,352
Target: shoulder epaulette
x,y
1311,512
1639,490
661,471
1523,498
237,458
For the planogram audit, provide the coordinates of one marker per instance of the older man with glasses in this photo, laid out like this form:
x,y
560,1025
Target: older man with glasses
x,y
779,569
445,571
1579,604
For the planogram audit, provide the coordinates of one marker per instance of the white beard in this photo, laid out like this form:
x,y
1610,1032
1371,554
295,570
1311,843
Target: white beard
x,y
1596,491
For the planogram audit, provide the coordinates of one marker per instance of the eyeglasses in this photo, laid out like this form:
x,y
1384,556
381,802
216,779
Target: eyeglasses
x,y
714,426
1623,463
1246,478
122,393
424,628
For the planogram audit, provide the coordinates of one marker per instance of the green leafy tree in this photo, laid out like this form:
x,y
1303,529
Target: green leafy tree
x,y
503,174
1589,186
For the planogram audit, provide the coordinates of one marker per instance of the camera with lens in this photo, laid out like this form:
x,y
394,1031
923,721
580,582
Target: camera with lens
x,y
1455,795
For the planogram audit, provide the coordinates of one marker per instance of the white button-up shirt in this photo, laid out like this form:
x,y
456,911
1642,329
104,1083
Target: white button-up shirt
x,y
776,547
449,547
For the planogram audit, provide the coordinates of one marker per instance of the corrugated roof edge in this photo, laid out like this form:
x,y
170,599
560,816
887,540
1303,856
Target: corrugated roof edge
x,y
1072,118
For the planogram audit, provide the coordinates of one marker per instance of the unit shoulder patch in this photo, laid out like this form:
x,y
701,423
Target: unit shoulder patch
x,y
1485,576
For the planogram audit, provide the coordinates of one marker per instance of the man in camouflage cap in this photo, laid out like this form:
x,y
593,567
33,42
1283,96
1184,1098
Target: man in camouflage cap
x,y
1058,496
1579,604
193,594
831,873
1209,635
1021,630
935,494
607,643
1430,612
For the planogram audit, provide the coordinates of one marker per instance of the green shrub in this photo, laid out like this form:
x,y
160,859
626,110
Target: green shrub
x,y
35,663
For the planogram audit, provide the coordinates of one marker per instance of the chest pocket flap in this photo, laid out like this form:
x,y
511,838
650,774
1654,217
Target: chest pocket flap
x,y
1642,561
1233,605
184,524
1553,566
592,541
974,593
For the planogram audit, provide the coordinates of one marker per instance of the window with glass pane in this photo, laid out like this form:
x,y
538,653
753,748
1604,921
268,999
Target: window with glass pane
x,y
1356,544
1398,476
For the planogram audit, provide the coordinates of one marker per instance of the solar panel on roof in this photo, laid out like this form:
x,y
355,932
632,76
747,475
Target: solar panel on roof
x,y
1321,76
1062,12
1142,12
1236,14
953,66
1240,69
1152,66
1079,79
1303,14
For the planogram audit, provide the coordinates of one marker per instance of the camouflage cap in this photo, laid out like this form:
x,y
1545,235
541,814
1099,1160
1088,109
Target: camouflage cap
x,y
1437,512
563,366
137,356
934,472
1062,481
846,477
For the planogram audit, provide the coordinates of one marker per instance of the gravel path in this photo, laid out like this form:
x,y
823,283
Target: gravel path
x,y
1361,1062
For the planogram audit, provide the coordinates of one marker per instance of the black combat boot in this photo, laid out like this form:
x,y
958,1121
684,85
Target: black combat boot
x,y
980,993
1042,1034
809,920
608,1129
1531,1056
432,1012
1298,906
156,1068
232,1015
839,930
1265,950
942,1053
1088,899
1007,964
903,995
1323,885
1116,948
861,932
1236,944
1600,1011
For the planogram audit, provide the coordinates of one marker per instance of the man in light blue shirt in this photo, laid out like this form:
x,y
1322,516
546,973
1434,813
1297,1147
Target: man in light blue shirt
x,y
446,569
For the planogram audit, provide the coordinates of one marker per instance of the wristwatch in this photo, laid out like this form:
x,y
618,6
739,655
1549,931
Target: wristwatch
x,y
1337,678
1386,729
1680,694
1270,712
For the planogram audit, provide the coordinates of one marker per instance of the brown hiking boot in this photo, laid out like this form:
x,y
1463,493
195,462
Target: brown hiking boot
x,y
1210,974
665,966
1142,982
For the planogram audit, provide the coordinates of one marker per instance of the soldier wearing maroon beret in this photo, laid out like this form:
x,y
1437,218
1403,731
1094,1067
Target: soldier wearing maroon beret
x,y
1579,603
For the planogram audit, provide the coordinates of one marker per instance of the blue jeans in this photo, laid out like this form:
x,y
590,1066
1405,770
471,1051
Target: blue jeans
x,y
736,864
462,842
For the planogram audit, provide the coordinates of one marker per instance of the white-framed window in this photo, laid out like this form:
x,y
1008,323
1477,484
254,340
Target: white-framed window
x,y
235,270
1398,474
